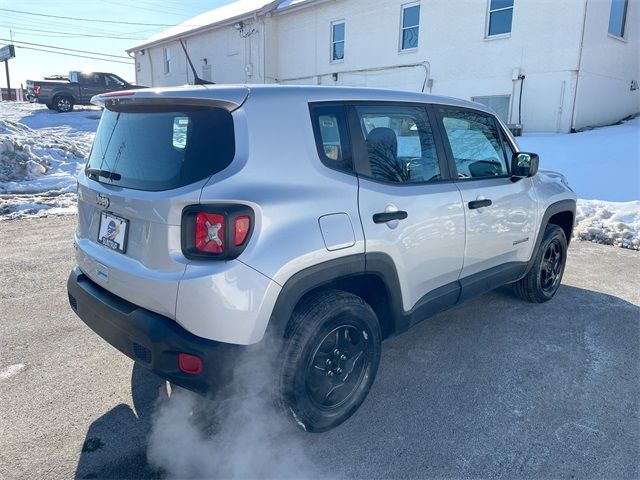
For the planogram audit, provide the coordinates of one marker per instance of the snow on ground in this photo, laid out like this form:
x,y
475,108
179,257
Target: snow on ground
x,y
600,164
603,167
41,151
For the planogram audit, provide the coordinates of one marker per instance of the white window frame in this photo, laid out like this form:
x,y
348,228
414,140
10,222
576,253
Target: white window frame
x,y
488,21
624,21
402,28
333,41
166,60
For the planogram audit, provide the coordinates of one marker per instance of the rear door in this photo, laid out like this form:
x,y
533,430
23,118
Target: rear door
x,y
500,212
410,210
91,84
147,163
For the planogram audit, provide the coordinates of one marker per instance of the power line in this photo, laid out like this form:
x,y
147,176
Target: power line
x,y
65,49
146,9
93,19
74,55
25,31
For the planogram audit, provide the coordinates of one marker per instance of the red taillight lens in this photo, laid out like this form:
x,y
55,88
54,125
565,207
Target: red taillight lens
x,y
190,364
209,233
241,229
219,231
36,89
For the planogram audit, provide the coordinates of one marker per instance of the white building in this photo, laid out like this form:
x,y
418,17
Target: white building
x,y
574,63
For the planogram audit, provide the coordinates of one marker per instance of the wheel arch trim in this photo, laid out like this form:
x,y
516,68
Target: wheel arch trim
x,y
568,205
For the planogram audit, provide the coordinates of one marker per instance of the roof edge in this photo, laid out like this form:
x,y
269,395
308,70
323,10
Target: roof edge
x,y
212,26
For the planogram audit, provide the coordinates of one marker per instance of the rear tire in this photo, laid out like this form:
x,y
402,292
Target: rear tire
x,y
544,277
63,103
50,106
330,359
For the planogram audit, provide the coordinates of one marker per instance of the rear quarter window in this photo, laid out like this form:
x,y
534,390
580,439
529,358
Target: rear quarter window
x,y
163,149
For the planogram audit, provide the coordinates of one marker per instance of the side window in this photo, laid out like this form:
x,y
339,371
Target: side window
x,y
113,81
475,143
332,137
91,79
400,144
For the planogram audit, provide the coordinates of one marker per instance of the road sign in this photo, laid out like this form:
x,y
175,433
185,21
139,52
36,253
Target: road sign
x,y
7,52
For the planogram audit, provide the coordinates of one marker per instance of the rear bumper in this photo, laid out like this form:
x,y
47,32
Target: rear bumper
x,y
150,339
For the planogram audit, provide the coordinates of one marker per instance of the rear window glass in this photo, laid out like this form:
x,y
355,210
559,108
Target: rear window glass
x,y
162,150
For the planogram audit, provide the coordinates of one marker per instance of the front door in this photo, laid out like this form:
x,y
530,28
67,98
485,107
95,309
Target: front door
x,y
409,209
500,211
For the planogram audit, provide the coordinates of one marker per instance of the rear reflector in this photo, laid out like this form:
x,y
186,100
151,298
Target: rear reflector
x,y
190,364
209,232
241,229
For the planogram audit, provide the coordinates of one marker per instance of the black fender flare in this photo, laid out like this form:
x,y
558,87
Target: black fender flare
x,y
568,205
321,274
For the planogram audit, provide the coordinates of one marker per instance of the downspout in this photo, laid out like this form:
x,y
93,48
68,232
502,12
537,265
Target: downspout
x,y
150,65
264,51
575,91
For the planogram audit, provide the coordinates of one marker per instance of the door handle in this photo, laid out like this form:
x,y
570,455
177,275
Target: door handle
x,y
384,217
479,203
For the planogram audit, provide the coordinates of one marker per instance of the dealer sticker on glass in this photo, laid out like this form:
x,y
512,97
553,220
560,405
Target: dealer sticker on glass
x,y
113,231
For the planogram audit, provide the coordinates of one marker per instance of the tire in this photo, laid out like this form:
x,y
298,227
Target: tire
x,y
335,332
63,103
545,276
49,106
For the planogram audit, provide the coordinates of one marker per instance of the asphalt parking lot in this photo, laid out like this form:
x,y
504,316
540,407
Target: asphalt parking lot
x,y
492,388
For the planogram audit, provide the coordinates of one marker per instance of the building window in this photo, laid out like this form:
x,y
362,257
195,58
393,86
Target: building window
x,y
410,26
497,103
500,17
618,17
166,54
337,41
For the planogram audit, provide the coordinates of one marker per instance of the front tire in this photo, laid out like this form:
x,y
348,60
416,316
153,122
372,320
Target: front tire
x,y
330,359
543,280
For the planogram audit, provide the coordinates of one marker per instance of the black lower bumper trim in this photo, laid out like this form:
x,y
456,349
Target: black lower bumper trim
x,y
152,340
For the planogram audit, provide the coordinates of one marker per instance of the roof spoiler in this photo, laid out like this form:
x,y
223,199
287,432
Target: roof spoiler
x,y
228,97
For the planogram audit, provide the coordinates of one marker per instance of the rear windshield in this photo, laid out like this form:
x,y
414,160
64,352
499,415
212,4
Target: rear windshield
x,y
162,150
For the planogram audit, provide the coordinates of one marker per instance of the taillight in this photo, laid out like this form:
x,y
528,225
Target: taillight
x,y
36,89
241,227
216,231
209,232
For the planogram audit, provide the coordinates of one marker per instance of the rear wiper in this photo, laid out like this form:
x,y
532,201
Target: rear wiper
x,y
103,173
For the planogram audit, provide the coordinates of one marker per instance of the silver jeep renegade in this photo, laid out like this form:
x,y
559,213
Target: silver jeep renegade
x,y
215,218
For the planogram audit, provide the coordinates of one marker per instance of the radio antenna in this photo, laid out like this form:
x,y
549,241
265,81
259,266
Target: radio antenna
x,y
196,79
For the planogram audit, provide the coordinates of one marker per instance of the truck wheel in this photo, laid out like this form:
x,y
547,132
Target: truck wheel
x,y
330,359
63,103
543,280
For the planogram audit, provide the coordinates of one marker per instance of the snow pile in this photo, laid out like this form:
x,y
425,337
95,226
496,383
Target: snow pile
x,y
611,223
600,164
40,154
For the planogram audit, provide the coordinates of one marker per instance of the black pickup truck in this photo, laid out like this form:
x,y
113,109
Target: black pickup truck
x,y
63,93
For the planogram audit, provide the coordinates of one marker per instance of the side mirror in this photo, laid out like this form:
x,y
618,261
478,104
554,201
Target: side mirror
x,y
524,164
